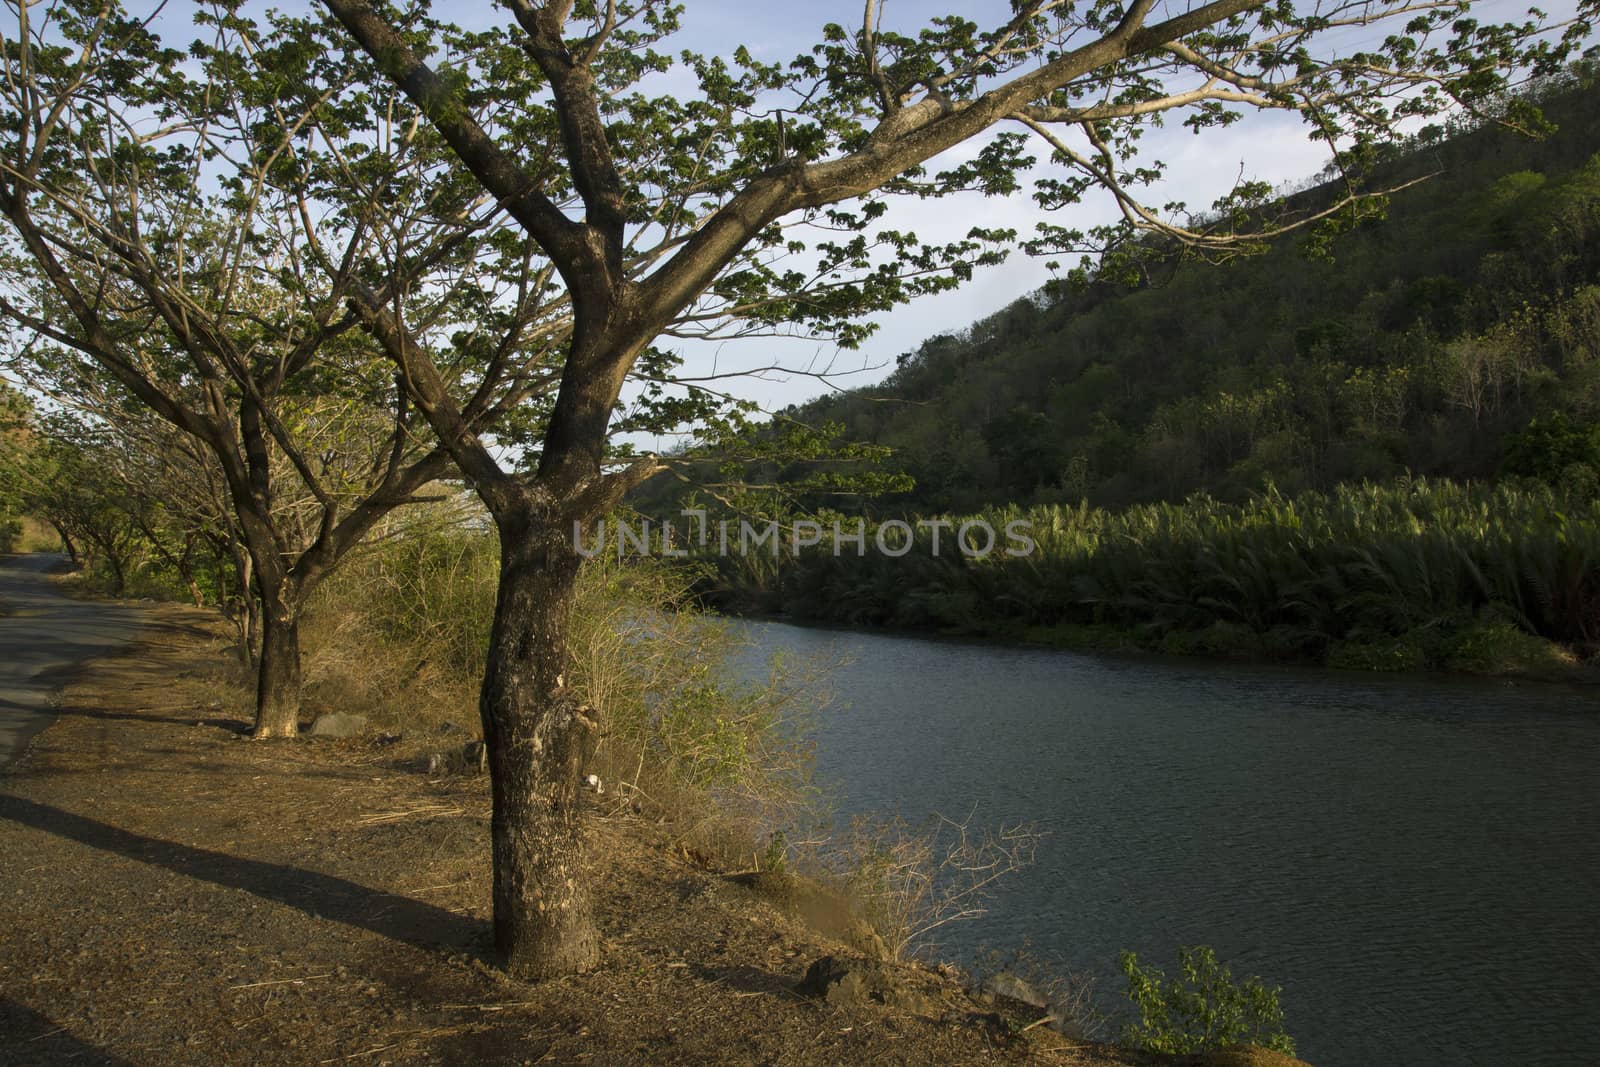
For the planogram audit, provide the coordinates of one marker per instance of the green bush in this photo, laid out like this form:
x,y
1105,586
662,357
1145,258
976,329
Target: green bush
x,y
1203,1009
1501,648
1548,448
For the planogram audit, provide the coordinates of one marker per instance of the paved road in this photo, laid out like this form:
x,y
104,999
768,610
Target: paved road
x,y
40,630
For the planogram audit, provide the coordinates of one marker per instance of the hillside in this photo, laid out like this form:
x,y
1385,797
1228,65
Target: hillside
x,y
1425,340
1384,460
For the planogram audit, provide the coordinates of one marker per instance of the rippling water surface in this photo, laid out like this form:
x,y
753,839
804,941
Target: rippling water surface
x,y
1416,862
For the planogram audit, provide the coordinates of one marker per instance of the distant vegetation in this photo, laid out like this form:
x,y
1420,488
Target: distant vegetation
x,y
1385,461
1394,576
1426,342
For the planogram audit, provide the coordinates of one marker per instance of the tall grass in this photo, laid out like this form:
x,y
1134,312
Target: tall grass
x,y
401,632
1320,575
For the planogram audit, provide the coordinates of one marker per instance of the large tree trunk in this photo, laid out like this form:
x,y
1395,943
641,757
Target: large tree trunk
x,y
278,678
539,742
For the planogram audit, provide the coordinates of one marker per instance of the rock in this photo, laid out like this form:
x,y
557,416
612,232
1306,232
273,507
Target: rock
x,y
845,982
337,724
470,758
1006,984
837,981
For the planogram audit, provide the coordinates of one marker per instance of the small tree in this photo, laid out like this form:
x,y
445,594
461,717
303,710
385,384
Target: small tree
x,y
1203,1009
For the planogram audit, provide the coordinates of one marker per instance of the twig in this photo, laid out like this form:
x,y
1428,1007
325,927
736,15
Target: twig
x,y
430,811
358,1055
282,981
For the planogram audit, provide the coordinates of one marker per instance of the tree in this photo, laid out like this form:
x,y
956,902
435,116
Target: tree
x,y
166,246
72,484
666,217
1547,449
16,440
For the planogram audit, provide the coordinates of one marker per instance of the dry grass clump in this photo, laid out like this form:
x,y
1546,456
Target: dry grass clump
x,y
909,882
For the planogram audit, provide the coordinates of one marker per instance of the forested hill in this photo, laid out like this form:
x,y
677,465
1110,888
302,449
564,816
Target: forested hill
x,y
1431,336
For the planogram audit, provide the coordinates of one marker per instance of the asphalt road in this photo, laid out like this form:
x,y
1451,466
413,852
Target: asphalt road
x,y
42,630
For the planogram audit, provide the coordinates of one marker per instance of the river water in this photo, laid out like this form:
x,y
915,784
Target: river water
x,y
1415,860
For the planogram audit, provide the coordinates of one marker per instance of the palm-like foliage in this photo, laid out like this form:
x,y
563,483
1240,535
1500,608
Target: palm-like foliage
x,y
1363,562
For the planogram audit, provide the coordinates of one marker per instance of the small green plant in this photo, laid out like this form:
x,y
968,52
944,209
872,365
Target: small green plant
x,y
775,857
1203,1009
1499,647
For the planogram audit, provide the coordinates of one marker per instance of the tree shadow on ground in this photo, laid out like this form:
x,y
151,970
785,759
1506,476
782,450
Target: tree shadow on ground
x,y
199,719
320,895
748,979
32,1038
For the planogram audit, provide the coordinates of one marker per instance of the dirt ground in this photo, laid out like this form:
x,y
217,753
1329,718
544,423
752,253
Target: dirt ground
x,y
173,893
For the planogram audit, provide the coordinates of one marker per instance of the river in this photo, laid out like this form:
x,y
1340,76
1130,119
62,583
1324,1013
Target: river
x,y
1415,860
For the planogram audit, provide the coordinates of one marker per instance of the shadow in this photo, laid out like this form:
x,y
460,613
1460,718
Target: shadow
x,y
32,1038
748,979
234,726
319,895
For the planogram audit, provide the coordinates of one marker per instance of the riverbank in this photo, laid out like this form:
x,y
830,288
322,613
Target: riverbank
x,y
1493,580
179,895
1492,652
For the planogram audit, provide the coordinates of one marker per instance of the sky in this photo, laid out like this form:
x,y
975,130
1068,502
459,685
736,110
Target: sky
x,y
1273,147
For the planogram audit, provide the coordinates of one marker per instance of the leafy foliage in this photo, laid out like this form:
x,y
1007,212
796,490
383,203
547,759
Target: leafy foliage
x,y
1549,449
1202,1009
